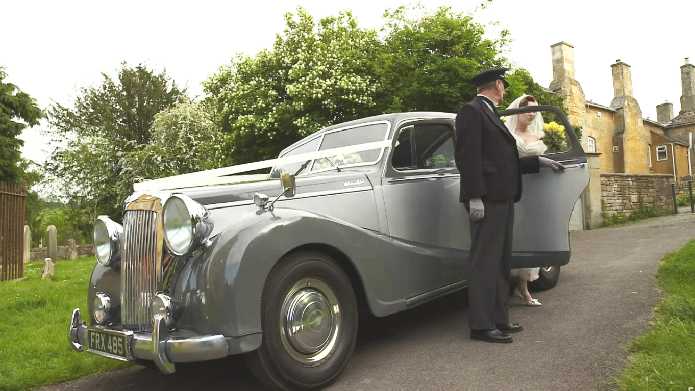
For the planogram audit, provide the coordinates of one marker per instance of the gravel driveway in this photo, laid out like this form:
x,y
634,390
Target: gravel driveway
x,y
575,341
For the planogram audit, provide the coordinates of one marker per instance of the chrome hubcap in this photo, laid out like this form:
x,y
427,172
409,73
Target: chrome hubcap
x,y
310,321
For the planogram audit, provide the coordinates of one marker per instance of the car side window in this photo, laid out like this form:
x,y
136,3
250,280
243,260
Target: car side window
x,y
424,146
347,137
309,146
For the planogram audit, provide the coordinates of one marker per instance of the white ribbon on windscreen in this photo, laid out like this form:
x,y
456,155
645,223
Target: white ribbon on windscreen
x,y
226,175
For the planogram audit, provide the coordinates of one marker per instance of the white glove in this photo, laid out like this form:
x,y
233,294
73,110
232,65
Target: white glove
x,y
476,209
555,166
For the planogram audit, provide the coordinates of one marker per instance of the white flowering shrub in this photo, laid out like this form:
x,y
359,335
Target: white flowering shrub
x,y
316,74
184,139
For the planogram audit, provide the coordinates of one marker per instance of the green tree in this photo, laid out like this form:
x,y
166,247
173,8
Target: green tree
x,y
184,139
427,61
521,82
316,74
105,124
71,222
17,111
321,73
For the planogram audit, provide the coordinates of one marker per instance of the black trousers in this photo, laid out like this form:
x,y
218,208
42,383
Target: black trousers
x,y
490,261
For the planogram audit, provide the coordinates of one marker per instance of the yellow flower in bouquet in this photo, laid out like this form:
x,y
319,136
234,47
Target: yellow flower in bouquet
x,y
554,138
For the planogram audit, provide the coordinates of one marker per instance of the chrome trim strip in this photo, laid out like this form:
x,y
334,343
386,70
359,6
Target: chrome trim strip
x,y
228,204
298,196
424,176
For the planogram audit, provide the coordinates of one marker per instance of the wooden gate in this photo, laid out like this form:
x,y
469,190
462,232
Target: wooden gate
x,y
12,204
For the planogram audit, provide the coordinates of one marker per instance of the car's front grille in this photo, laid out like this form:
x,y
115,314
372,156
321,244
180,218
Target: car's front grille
x,y
140,267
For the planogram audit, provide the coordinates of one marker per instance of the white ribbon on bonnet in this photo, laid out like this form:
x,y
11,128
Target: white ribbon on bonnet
x,y
225,175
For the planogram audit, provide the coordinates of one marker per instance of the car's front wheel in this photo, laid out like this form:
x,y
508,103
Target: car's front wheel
x,y
309,319
547,278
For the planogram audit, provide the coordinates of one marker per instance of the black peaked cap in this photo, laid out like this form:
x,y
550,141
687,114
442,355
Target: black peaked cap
x,y
490,75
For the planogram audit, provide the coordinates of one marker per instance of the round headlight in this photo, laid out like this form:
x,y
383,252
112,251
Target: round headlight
x,y
102,308
185,223
106,236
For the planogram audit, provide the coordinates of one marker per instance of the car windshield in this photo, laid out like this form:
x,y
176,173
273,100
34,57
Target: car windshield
x,y
360,134
309,146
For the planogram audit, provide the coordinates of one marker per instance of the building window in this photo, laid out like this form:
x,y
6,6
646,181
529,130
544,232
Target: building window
x,y
649,153
616,148
590,144
661,153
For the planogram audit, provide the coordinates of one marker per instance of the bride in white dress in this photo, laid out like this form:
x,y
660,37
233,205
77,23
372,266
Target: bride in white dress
x,y
527,129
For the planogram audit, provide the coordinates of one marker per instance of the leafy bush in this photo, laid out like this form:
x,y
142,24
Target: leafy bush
x,y
682,200
641,213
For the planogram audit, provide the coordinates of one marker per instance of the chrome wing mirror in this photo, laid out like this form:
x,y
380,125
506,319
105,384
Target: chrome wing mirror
x,y
289,184
289,189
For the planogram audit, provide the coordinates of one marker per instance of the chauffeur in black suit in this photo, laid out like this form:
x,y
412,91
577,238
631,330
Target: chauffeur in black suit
x,y
491,170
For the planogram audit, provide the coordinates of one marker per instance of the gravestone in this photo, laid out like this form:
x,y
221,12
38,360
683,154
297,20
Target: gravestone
x,y
52,242
72,250
26,254
48,269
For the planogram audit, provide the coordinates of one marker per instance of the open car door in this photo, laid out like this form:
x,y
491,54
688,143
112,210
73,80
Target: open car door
x,y
541,221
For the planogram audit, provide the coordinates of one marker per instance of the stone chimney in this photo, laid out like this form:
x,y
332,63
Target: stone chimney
x,y
563,61
630,130
622,79
664,112
565,84
688,84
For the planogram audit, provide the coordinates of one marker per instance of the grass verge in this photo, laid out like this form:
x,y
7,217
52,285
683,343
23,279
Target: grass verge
x,y
664,357
34,317
641,213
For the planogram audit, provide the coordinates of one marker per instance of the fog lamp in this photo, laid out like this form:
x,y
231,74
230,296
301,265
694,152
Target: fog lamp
x,y
163,307
102,308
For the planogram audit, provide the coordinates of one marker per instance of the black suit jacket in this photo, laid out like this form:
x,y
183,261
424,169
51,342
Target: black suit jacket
x,y
486,155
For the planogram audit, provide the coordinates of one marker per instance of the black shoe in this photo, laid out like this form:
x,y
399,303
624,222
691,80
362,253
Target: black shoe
x,y
493,335
510,327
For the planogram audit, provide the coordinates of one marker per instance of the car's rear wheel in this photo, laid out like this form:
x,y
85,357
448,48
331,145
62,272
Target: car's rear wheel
x,y
309,317
547,278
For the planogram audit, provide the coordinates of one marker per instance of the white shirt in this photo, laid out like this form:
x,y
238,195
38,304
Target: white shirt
x,y
488,103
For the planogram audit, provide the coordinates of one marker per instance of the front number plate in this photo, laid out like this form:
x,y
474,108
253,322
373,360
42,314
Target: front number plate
x,y
109,343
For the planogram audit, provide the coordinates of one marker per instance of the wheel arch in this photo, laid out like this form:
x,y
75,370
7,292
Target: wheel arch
x,y
345,263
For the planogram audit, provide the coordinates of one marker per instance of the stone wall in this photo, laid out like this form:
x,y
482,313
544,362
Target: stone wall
x,y
39,253
626,193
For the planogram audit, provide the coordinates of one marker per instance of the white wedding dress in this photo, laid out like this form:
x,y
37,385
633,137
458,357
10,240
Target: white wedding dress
x,y
534,148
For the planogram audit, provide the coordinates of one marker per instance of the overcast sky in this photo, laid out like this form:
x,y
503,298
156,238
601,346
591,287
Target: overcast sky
x,y
50,49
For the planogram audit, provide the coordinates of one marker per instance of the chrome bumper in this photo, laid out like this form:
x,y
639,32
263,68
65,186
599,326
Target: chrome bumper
x,y
161,347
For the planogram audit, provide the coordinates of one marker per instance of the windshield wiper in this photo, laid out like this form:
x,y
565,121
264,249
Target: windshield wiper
x,y
337,167
306,163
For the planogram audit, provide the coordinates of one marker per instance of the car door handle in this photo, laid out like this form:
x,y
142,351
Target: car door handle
x,y
575,165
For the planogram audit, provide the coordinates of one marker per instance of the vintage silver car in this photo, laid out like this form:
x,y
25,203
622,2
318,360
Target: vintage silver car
x,y
359,219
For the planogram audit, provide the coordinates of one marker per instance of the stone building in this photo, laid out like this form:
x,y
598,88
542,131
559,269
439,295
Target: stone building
x,y
633,160
627,142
